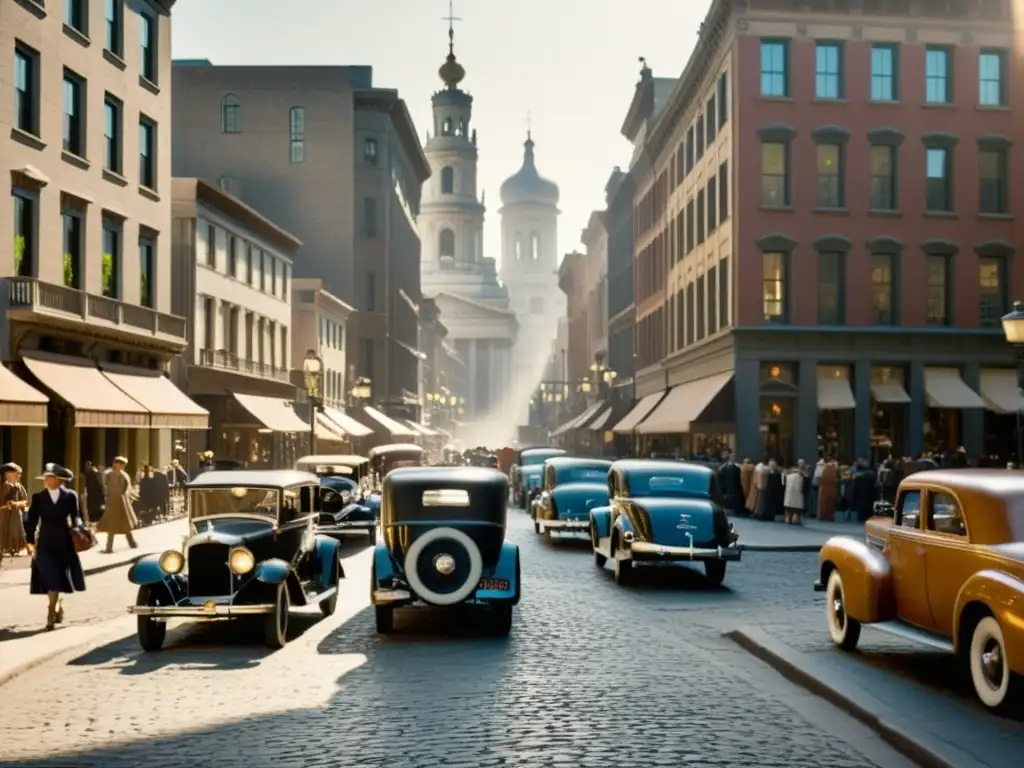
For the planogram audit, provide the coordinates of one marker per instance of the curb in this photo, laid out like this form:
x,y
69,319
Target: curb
x,y
111,566
75,647
780,547
908,746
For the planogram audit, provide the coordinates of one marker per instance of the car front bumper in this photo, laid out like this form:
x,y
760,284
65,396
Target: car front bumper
x,y
564,525
195,609
645,552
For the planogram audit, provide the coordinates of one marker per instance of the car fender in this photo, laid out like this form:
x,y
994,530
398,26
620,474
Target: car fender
x,y
272,571
507,567
147,570
326,550
1002,594
866,574
383,566
601,520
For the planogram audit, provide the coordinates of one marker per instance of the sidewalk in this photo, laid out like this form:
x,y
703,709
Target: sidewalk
x,y
761,536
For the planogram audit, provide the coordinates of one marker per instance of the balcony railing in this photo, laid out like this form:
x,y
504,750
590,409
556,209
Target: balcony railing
x,y
28,294
229,361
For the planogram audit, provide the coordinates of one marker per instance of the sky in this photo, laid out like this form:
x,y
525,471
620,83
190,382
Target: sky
x,y
570,65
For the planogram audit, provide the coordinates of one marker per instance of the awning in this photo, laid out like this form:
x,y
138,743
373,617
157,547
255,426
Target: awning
x,y
602,419
21,404
999,390
327,430
392,426
348,425
945,389
95,398
578,421
638,414
889,392
683,404
168,406
835,394
274,413
420,429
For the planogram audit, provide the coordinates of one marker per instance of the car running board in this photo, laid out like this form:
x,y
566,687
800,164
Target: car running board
x,y
915,635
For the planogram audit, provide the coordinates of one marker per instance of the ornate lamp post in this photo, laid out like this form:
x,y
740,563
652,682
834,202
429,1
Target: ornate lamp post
x,y
312,368
1013,329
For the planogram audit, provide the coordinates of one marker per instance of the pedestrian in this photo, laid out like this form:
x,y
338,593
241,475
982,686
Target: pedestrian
x,y
52,517
794,494
828,490
95,495
119,516
13,502
731,485
773,504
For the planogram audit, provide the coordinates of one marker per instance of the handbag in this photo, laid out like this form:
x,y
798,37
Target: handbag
x,y
83,539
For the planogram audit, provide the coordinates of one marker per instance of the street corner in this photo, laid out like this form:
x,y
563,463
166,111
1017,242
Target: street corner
x,y
917,702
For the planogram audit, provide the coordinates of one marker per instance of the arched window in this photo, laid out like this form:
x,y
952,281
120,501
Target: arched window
x,y
297,133
447,180
534,246
537,305
230,114
519,247
447,243
461,130
446,127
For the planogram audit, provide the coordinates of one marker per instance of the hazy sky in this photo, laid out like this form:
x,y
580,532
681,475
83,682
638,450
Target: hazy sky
x,y
572,64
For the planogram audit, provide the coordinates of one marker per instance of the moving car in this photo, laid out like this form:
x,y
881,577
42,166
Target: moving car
x,y
384,458
529,472
663,512
343,512
572,487
253,551
943,567
341,465
443,531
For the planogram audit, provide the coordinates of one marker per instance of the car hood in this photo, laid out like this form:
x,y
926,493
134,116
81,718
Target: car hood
x,y
677,522
575,500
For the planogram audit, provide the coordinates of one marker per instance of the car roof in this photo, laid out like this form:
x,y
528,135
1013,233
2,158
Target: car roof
x,y
346,459
670,466
562,462
395,447
457,476
549,449
1002,488
254,478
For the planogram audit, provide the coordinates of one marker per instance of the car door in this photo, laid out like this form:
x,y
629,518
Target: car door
x,y
950,563
906,551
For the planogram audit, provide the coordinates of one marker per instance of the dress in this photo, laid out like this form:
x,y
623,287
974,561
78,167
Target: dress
x,y
747,480
12,529
119,516
828,492
756,489
55,566
793,499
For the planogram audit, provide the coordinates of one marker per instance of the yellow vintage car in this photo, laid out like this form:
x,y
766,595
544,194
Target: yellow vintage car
x,y
943,567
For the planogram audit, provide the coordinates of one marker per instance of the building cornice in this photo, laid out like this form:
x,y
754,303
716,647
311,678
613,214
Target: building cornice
x,y
388,100
203,191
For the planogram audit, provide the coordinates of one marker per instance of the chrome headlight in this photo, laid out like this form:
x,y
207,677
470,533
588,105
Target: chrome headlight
x,y
172,561
241,560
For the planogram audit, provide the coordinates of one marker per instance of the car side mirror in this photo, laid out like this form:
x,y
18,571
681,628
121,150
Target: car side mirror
x,y
883,509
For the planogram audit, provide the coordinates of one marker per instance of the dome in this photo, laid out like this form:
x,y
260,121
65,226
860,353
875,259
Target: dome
x,y
451,72
528,186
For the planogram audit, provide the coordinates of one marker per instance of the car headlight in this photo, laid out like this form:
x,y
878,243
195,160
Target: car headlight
x,y
172,561
241,560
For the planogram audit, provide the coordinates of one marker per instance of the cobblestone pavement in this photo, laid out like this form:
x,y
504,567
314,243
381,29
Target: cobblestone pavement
x,y
593,675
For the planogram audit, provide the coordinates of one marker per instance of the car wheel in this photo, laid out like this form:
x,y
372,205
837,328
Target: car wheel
x,y
275,625
994,682
384,615
715,571
151,631
328,606
503,618
623,572
845,631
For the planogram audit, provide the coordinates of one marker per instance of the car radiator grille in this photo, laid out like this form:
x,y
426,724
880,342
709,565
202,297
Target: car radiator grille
x,y
208,572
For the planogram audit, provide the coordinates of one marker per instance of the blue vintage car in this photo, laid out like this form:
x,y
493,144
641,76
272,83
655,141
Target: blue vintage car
x,y
572,488
253,550
663,512
444,544
529,474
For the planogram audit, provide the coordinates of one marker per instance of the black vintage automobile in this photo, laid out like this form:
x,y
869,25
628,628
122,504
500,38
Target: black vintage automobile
x,y
384,458
444,543
252,551
343,512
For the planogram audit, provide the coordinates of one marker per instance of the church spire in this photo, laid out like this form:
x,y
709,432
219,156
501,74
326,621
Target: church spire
x,y
452,73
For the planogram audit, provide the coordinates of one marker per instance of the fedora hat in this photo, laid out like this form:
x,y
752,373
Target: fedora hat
x,y
52,469
10,466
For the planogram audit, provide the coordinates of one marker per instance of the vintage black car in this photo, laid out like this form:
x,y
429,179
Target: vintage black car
x,y
384,458
252,551
344,465
343,511
444,543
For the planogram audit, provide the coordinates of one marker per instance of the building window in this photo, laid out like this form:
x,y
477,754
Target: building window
x,y
284,280
883,178
371,292
74,112
250,271
700,217
114,16
273,276
265,262
723,191
774,174
991,79
147,46
25,229
691,325
699,128
710,121
230,114
284,348
72,266
369,217
937,287
774,287
883,289
723,293
831,283
884,73
723,99
993,190
691,226
774,68
370,151
147,152
699,310
830,176
712,204
232,256
26,89
712,301
534,246
938,86
691,143
110,277
828,71
939,188
75,15
447,180
147,271
211,245
297,133
112,110
446,245
992,290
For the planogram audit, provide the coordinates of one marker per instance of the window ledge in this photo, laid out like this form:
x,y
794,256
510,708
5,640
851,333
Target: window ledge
x,y
992,107
776,208
114,59
788,99
77,35
940,215
34,7
149,85
149,192
115,178
995,216
826,100
885,102
28,139
841,210
938,105
76,160
885,212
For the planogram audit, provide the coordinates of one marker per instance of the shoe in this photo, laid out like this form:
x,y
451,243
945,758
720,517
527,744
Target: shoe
x,y
49,627
59,618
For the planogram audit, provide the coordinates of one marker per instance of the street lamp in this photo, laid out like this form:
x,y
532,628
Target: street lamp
x,y
362,389
312,368
1013,329
585,386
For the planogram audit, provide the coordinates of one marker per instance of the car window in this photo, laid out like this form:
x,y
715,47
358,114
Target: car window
x,y
945,515
583,475
910,509
654,484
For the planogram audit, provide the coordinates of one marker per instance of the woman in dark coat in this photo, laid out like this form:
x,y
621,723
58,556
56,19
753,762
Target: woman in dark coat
x,y
56,569
773,506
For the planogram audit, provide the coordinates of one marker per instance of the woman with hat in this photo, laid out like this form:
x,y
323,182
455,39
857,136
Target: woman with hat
x,y
13,501
119,516
56,569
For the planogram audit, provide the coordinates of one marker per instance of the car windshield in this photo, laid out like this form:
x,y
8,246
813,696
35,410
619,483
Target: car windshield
x,y
582,475
337,483
692,485
537,458
207,502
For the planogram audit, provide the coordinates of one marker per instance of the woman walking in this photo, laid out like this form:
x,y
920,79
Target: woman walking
x,y
13,502
794,494
56,569
119,516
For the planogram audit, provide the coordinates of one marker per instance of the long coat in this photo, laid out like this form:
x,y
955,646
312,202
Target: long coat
x,y
95,495
828,492
794,491
732,488
12,530
55,565
119,516
747,480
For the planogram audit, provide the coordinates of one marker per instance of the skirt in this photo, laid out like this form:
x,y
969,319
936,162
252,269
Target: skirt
x,y
12,532
56,570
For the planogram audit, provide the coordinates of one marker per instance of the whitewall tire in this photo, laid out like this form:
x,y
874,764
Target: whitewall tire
x,y
990,671
476,566
844,630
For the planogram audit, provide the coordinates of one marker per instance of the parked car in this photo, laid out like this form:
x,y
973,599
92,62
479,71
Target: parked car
x,y
571,488
253,550
443,531
529,472
663,512
943,567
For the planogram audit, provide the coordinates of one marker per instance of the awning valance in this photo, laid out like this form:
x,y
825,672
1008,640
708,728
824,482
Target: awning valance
x,y
889,392
578,421
97,401
21,404
389,424
946,389
640,412
348,425
327,429
274,413
602,420
168,406
835,394
420,429
683,404
999,390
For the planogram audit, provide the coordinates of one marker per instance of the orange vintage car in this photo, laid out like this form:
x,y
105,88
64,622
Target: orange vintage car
x,y
943,567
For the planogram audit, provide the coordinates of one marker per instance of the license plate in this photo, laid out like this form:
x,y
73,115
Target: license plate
x,y
498,585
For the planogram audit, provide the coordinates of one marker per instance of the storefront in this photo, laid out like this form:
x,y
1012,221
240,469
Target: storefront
x,y
685,422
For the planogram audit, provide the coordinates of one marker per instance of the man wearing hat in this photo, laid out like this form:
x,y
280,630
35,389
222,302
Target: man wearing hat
x,y
119,516
13,502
